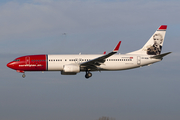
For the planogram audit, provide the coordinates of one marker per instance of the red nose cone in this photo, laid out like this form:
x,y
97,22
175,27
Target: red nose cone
x,y
10,65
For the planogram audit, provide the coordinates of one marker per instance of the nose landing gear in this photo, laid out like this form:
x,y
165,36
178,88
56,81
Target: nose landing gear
x,y
21,71
88,74
23,75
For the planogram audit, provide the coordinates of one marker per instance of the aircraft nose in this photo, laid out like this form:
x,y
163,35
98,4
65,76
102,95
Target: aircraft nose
x,y
10,65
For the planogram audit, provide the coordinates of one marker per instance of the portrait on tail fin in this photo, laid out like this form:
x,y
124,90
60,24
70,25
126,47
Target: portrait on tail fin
x,y
155,49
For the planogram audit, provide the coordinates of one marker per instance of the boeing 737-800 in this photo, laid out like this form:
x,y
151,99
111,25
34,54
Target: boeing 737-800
x,y
72,64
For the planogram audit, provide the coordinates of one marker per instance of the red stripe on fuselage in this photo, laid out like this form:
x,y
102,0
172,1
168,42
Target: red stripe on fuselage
x,y
29,63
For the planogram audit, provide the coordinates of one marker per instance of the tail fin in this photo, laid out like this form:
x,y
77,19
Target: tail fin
x,y
154,44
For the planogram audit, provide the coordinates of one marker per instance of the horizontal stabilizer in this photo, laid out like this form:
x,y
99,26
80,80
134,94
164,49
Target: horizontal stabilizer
x,y
161,55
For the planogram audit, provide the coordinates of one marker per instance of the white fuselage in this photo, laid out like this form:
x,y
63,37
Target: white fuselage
x,y
115,62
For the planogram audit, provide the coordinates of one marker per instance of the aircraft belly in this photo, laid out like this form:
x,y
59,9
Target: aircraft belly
x,y
54,67
118,66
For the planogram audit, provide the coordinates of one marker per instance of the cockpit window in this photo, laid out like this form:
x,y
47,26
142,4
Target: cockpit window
x,y
16,60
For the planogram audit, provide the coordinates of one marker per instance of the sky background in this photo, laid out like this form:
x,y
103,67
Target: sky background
x,y
90,26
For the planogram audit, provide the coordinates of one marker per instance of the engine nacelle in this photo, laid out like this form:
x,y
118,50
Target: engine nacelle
x,y
70,69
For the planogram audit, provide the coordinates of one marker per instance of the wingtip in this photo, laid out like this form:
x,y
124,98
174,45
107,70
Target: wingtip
x,y
117,47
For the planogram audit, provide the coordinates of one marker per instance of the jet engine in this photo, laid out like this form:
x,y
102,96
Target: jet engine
x,y
70,69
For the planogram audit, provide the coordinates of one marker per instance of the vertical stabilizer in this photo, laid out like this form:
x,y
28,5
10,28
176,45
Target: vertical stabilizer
x,y
154,44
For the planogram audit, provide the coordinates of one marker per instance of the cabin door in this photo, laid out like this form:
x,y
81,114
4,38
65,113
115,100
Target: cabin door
x,y
139,60
78,60
27,60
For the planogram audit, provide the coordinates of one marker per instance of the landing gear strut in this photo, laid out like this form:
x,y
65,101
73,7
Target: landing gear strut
x,y
88,74
23,75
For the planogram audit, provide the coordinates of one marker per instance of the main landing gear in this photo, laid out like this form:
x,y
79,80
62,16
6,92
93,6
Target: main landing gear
x,y
88,74
23,75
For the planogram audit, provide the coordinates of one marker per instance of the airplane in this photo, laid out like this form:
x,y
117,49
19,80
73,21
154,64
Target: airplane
x,y
72,64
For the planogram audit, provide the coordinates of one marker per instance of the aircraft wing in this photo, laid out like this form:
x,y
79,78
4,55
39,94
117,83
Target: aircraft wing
x,y
92,64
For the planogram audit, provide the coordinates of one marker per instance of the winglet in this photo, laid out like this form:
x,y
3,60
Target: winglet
x,y
117,47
